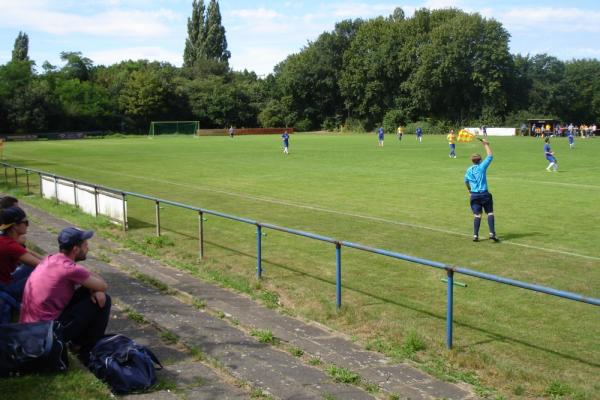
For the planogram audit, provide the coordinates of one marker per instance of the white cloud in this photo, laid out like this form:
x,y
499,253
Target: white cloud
x,y
258,13
360,10
438,4
108,57
260,59
556,19
35,16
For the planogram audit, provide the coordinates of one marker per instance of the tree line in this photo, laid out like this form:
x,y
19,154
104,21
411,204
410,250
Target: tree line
x,y
438,67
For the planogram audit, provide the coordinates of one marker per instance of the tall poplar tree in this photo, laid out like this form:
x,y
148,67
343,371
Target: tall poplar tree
x,y
194,44
21,48
215,45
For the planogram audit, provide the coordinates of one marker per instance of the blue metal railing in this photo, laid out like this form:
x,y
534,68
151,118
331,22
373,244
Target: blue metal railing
x,y
450,269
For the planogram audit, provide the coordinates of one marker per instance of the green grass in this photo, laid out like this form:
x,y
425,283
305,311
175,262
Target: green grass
x,y
264,336
405,197
76,384
342,375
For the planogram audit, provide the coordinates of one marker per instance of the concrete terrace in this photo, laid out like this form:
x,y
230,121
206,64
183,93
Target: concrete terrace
x,y
212,353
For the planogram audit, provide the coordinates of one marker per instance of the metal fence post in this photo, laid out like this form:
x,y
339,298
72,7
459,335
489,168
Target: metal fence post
x,y
258,251
157,207
5,173
27,179
16,179
96,200
201,233
124,211
75,194
338,275
449,308
56,189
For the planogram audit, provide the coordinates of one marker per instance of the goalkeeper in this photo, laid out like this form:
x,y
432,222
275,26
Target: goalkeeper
x,y
480,198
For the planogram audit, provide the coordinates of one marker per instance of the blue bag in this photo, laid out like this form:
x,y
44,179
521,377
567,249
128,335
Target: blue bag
x,y
31,348
123,364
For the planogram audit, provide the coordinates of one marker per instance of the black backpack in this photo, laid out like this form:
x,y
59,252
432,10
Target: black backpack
x,y
31,348
123,364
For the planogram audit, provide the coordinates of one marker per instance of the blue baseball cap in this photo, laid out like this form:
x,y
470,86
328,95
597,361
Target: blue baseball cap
x,y
69,237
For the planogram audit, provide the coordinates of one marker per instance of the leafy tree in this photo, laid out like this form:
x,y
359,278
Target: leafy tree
x,y
311,78
194,44
215,46
142,96
77,66
21,48
582,91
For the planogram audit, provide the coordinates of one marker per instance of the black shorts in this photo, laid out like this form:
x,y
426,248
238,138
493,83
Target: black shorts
x,y
481,201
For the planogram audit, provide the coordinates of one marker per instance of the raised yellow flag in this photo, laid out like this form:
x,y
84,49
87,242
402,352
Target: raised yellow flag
x,y
464,136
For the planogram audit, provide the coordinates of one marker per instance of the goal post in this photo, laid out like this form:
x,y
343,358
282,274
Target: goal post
x,y
173,127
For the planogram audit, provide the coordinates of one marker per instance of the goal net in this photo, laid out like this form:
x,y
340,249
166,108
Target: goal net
x,y
173,127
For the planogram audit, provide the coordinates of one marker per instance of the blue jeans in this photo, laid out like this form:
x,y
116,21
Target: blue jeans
x,y
19,277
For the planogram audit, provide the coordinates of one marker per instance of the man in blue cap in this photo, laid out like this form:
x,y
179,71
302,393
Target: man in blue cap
x,y
60,289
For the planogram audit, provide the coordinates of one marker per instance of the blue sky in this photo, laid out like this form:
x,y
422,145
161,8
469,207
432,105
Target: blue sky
x,y
260,34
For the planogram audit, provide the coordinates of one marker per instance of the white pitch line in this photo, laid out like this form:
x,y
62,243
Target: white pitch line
x,y
326,210
581,185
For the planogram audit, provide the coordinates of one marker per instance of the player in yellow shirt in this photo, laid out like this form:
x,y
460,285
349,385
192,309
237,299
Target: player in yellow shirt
x,y
400,132
452,143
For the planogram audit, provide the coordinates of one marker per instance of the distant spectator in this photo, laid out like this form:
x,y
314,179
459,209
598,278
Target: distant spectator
x,y
380,135
16,262
419,133
231,131
484,130
59,289
523,129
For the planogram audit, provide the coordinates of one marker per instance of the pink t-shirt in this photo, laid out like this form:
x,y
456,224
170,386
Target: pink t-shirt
x,y
50,288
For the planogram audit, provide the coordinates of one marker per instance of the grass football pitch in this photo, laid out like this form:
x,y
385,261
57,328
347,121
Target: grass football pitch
x,y
405,197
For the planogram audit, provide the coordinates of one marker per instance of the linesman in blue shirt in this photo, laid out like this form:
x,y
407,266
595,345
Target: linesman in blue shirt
x,y
481,199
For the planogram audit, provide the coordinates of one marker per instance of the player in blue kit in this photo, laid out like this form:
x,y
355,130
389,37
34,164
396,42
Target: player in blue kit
x,y
553,166
571,139
480,198
419,134
286,142
380,135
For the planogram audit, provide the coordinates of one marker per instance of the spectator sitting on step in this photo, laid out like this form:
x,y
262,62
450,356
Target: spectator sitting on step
x,y
60,289
16,262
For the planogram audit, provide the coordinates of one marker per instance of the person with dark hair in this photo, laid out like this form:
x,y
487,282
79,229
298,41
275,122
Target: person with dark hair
x,y
480,198
452,143
8,201
16,262
60,289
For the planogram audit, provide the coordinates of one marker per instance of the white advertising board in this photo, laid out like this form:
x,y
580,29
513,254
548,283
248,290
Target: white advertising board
x,y
89,199
494,131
